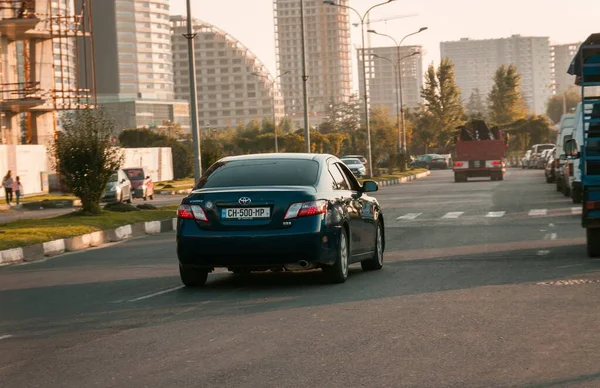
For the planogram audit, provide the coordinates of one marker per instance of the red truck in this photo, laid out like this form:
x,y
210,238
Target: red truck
x,y
480,152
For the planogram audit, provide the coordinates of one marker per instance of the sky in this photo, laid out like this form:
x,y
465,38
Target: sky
x,y
251,22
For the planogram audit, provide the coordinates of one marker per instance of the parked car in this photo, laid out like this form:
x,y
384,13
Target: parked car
x,y
141,183
279,212
118,188
550,169
362,159
525,160
536,155
430,161
567,125
356,166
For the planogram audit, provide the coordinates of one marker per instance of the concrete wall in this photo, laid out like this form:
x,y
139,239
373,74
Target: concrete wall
x,y
157,160
26,162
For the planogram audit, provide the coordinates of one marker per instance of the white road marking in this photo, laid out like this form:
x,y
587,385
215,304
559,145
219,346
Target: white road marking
x,y
409,216
576,210
5,336
543,253
156,294
538,212
495,214
453,214
551,236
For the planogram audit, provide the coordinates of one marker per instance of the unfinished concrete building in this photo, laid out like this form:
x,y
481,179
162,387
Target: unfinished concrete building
x,y
39,45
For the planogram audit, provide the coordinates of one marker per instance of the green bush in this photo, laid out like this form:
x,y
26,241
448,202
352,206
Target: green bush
x,y
120,207
146,206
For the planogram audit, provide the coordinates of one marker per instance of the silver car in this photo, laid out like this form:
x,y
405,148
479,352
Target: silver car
x,y
356,166
118,188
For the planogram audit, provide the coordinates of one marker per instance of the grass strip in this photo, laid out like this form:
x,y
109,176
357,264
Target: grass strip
x,y
29,232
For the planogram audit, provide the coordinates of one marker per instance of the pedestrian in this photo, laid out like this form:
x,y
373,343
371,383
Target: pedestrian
x,y
7,182
17,188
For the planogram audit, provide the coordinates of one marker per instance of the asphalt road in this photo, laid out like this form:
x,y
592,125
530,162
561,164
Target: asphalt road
x,y
486,284
15,215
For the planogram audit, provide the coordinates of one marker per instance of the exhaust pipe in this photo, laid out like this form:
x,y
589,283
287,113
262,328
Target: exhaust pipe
x,y
303,263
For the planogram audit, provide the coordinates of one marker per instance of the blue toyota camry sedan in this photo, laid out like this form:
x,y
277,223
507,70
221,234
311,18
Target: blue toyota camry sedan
x,y
279,212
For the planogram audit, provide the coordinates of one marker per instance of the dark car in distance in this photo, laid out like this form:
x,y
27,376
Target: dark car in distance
x,y
430,161
279,212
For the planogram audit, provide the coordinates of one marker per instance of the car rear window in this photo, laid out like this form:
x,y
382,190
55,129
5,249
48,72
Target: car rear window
x,y
261,172
135,174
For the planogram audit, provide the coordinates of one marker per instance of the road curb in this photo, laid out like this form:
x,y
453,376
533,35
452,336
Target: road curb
x,y
392,182
53,248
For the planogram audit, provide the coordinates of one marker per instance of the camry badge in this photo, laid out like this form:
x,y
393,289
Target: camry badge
x,y
244,201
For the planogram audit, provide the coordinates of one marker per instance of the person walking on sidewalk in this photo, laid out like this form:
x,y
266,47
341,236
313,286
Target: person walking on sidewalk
x,y
7,182
17,188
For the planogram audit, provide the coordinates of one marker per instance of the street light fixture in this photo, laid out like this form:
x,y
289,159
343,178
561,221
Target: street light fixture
x,y
273,81
394,65
398,45
364,68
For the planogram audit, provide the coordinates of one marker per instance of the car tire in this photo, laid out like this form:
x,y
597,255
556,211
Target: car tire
x,y
376,262
566,190
558,186
593,242
151,196
338,273
193,277
129,199
577,196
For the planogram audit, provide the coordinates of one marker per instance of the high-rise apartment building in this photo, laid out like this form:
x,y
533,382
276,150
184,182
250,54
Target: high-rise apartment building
x,y
476,62
381,71
561,56
233,85
134,69
328,56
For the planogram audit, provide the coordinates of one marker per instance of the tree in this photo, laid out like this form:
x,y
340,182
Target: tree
x,y
442,101
85,156
506,104
554,110
476,105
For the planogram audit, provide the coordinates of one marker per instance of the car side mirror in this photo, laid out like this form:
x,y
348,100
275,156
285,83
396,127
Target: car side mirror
x,y
122,180
370,186
148,177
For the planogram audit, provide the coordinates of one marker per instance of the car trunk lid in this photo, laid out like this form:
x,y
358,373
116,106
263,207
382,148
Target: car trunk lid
x,y
248,208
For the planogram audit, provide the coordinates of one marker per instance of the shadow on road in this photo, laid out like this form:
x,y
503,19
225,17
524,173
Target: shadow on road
x,y
98,305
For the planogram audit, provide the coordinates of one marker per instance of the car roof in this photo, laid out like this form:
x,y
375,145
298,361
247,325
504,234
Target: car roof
x,y
279,156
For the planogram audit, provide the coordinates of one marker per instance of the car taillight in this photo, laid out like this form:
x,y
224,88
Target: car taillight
x,y
304,209
191,212
592,205
496,162
458,164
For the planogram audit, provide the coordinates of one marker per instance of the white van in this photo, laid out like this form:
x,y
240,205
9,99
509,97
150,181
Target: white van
x,y
567,125
574,172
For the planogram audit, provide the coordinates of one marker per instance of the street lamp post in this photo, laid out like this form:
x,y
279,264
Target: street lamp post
x,y
190,35
304,80
396,73
273,82
364,69
398,45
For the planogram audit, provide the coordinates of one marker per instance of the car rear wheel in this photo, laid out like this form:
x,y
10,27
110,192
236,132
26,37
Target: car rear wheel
x,y
338,273
376,262
193,277
593,242
577,196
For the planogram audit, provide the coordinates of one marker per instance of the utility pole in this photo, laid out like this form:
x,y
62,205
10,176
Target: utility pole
x,y
304,80
190,35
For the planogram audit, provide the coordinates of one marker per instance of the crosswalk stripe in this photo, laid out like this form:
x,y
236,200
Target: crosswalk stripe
x,y
495,214
538,212
576,210
453,214
409,216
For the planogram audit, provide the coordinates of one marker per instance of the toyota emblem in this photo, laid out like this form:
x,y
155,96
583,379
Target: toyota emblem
x,y
244,201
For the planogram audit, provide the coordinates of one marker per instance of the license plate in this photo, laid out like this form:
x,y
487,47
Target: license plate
x,y
246,213
476,164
